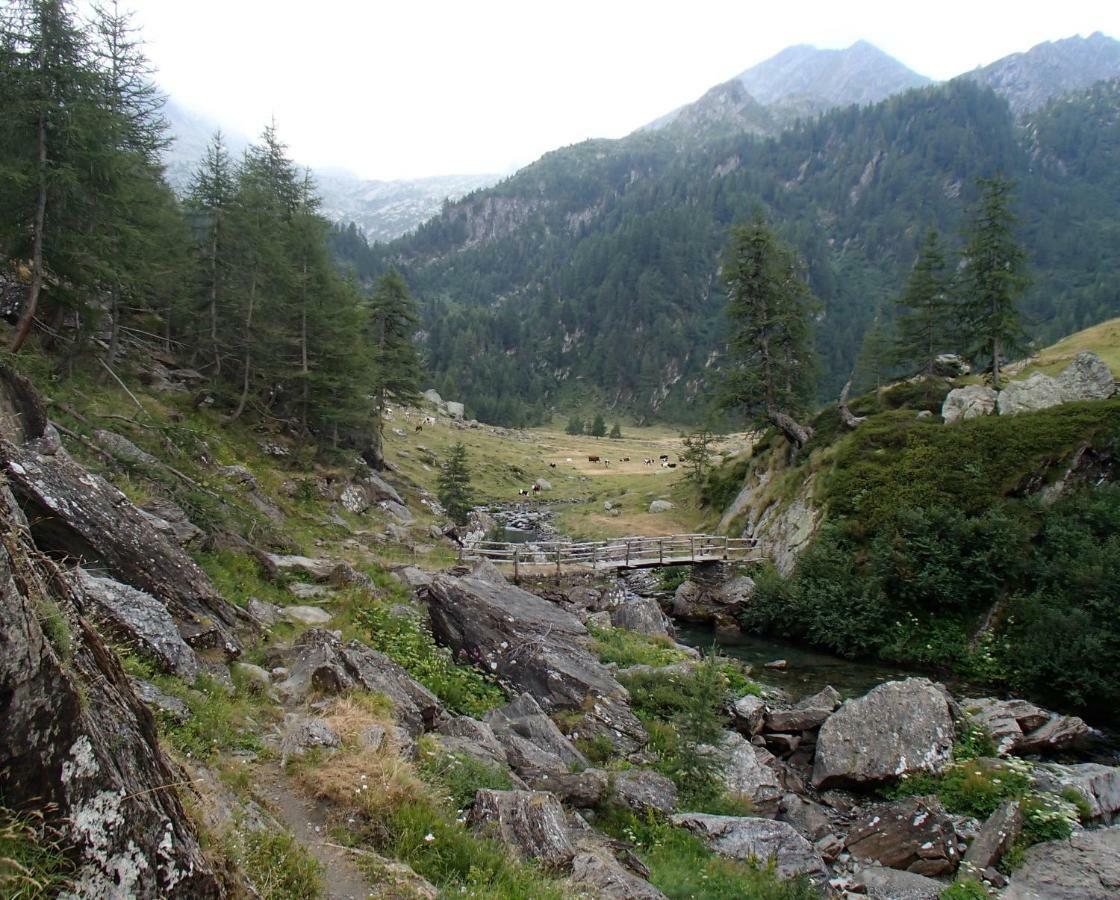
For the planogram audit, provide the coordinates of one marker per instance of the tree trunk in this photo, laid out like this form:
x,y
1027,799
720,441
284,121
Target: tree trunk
x,y
845,413
995,363
24,326
797,435
304,369
214,295
243,399
115,327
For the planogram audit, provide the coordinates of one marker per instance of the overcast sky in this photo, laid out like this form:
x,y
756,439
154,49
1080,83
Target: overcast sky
x,y
418,87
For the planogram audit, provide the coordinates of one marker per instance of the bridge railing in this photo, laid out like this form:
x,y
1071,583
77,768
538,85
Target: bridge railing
x,y
621,553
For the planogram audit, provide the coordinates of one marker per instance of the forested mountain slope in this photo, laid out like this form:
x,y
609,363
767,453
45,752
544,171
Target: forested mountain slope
x,y
596,268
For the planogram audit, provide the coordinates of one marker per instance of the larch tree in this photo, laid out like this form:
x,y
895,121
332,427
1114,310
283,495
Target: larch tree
x,y
454,485
769,308
993,278
393,320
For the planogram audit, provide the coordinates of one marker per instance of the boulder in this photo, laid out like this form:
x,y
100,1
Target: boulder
x,y
807,714
950,365
1099,785
581,790
531,643
897,728
914,834
303,733
305,615
644,791
76,744
123,449
398,511
809,818
77,515
748,715
968,403
531,739
530,823
154,698
455,410
735,592
324,663
996,836
1006,721
544,484
660,506
612,719
476,739
485,570
252,674
1057,735
171,521
598,871
640,614
1088,377
893,884
266,614
303,591
757,839
433,397
318,568
1036,392
1085,866
744,772
141,621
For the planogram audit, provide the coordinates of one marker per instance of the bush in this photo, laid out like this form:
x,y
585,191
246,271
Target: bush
x,y
629,648
970,787
459,775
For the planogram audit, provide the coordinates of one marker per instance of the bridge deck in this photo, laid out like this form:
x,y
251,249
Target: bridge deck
x,y
618,553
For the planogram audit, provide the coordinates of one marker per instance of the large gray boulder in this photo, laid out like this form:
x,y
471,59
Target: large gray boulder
x,y
1034,393
1086,866
140,620
995,838
322,662
644,791
530,823
805,715
476,739
597,870
1088,377
897,728
744,772
758,839
968,403
914,834
894,884
640,614
531,739
533,644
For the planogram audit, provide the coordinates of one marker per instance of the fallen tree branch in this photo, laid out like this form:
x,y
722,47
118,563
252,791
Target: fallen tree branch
x,y
850,420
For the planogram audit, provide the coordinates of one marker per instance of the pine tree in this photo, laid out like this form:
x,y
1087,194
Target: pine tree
x,y
393,319
616,432
454,485
575,425
994,277
925,325
768,307
598,427
697,454
876,359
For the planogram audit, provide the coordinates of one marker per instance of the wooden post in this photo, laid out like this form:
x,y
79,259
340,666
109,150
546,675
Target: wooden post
x,y
725,547
692,548
660,552
516,568
557,562
628,554
594,557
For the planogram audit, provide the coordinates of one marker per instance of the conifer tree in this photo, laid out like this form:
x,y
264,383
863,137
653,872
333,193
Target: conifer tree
x,y
575,425
616,432
454,485
393,319
768,307
598,427
994,277
924,327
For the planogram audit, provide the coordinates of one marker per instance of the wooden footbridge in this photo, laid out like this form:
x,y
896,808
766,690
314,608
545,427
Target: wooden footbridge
x,y
617,553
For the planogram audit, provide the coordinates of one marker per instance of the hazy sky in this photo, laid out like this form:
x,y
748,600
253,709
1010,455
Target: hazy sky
x,y
418,87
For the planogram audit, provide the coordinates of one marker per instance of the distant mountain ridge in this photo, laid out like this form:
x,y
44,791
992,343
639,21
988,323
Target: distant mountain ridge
x,y
383,210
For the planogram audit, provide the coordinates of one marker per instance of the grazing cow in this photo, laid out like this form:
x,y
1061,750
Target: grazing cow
x,y
523,492
431,420
592,459
569,459
664,457
536,488
647,461
672,465
626,459
552,465
419,427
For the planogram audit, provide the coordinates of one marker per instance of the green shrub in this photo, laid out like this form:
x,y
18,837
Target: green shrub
x,y
973,741
463,689
460,776
974,787
218,721
968,889
672,577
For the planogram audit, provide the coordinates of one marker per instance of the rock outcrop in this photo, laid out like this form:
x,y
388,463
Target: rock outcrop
x,y
531,823
914,834
75,740
759,839
533,644
1085,866
968,402
897,728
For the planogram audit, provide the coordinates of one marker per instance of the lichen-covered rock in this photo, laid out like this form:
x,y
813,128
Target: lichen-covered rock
x,y
323,662
598,871
1034,393
744,772
531,823
748,715
995,838
171,521
914,834
305,615
897,728
303,733
1099,785
758,839
1085,866
1088,377
463,734
660,506
531,739
1057,735
524,639
895,884
968,403
805,715
77,745
809,818
644,791
80,516
611,719
140,620
640,614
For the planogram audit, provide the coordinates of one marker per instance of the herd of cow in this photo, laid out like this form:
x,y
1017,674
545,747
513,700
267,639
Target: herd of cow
x,y
648,461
